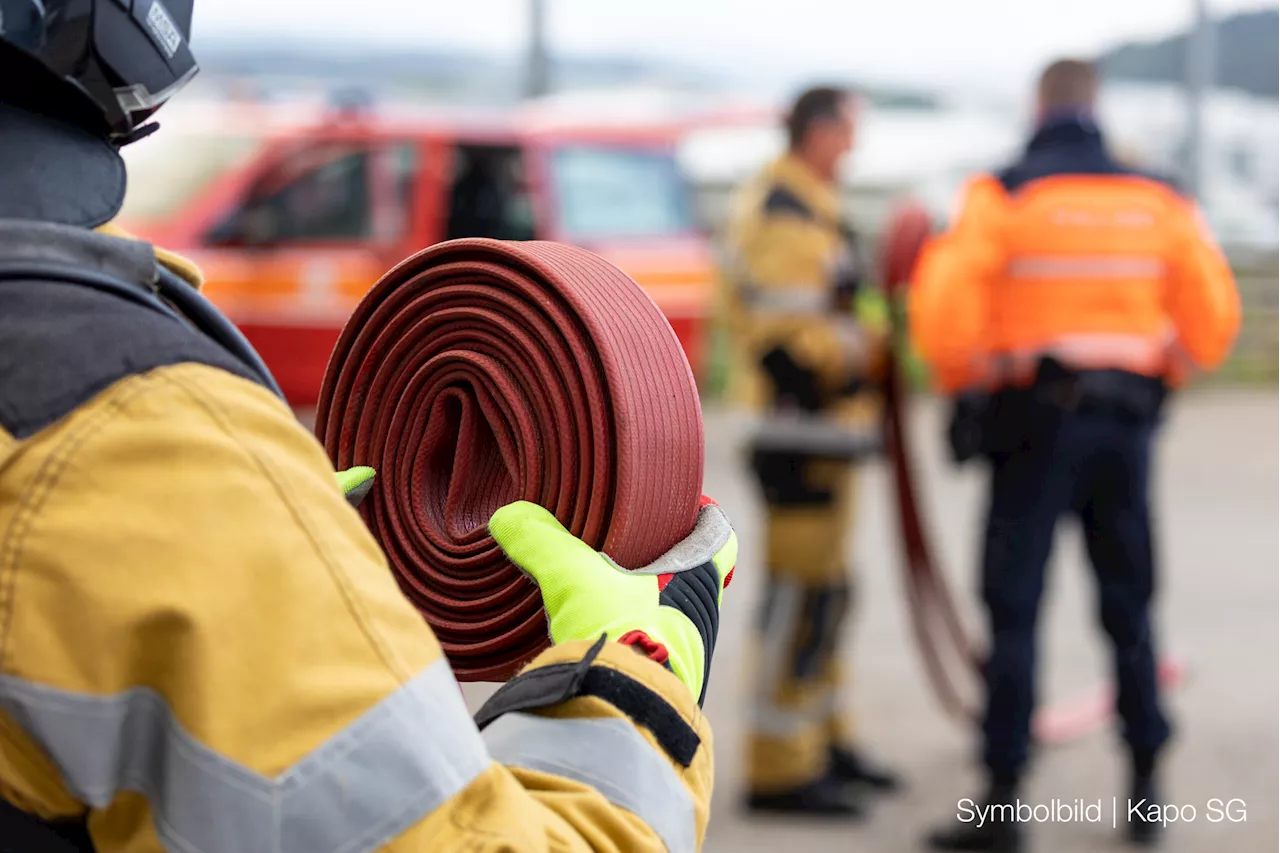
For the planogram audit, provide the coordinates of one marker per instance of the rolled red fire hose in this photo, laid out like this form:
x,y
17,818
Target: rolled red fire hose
x,y
480,372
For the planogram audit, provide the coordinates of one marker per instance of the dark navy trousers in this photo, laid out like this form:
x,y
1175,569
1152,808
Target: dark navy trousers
x,y
1097,467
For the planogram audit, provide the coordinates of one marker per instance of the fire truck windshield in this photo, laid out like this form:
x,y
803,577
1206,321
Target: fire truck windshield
x,y
619,193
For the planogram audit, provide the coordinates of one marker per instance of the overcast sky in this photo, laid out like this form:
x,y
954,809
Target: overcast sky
x,y
992,42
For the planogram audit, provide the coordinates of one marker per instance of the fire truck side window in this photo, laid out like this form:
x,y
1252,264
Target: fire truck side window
x,y
328,193
328,202
489,196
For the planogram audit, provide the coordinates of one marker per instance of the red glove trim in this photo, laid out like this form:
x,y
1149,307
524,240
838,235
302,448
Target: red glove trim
x,y
663,580
652,649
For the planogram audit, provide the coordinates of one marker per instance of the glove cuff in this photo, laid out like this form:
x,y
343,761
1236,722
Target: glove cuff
x,y
551,684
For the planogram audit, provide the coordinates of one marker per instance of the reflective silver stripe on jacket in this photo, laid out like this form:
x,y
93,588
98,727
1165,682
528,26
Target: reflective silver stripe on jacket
x,y
798,432
400,760
1086,266
611,756
788,300
1137,353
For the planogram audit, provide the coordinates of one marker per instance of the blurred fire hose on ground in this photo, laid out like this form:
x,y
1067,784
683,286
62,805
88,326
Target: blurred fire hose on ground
x,y
952,658
480,372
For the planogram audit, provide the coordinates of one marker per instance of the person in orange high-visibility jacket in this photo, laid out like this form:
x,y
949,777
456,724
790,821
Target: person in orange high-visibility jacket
x,y
1069,295
202,648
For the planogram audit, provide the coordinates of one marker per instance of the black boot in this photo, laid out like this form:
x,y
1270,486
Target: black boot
x,y
852,765
1143,832
825,796
998,831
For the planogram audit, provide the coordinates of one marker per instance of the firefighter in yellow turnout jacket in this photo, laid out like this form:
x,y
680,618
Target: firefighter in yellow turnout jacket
x,y
792,273
201,646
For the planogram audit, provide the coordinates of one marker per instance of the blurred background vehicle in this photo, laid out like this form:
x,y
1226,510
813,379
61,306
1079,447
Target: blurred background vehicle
x,y
294,212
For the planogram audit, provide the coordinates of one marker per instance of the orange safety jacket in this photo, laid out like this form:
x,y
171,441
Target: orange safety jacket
x,y
1068,254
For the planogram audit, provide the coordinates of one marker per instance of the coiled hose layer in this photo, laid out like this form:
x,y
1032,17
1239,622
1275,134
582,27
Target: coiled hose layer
x,y
480,372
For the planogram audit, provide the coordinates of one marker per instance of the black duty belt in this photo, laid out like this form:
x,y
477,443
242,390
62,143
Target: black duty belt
x,y
1118,393
983,424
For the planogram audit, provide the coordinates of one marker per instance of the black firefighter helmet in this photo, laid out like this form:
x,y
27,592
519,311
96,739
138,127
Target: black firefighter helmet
x,y
107,63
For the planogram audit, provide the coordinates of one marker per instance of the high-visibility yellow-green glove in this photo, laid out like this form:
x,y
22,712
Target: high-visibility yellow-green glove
x,y
356,483
669,609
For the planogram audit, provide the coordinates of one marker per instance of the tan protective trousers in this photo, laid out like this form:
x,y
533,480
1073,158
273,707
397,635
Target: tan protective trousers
x,y
796,675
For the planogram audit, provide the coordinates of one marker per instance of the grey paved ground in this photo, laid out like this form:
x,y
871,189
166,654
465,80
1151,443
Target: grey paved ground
x,y
1218,506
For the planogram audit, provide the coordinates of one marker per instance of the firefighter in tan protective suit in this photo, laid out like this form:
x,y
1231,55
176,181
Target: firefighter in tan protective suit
x,y
202,649
792,271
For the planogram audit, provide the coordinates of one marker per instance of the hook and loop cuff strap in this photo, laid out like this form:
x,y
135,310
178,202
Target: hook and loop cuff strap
x,y
559,682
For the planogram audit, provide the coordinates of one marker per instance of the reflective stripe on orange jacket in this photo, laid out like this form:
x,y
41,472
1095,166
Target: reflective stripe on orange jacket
x,y
1108,270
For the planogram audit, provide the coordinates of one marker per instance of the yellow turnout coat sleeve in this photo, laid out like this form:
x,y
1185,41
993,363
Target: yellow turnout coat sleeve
x,y
202,648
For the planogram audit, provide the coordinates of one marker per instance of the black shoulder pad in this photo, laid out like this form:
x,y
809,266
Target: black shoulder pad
x,y
1020,174
61,343
1010,178
783,202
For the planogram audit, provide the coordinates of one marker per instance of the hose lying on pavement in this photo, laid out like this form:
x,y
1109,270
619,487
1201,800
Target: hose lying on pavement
x,y
479,372
951,659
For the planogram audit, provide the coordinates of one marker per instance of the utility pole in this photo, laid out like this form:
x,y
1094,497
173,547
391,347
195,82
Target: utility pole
x,y
538,70
1200,79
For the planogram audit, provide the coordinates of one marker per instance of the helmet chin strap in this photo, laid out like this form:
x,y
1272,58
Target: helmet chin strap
x,y
139,132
